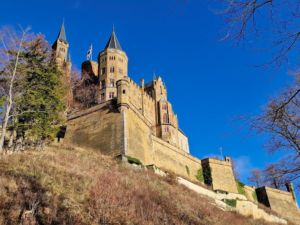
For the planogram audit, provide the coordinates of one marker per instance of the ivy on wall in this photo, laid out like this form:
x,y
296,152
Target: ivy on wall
x,y
240,187
187,170
199,175
132,160
207,175
254,196
231,202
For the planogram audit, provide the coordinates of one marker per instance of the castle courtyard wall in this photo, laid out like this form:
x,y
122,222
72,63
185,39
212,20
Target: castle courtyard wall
x,y
249,193
280,201
99,128
222,174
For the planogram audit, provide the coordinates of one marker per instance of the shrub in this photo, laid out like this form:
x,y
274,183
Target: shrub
x,y
199,175
187,170
207,174
254,196
231,202
132,160
240,187
222,192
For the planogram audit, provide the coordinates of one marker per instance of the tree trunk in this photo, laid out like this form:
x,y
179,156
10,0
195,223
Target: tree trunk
x,y
11,139
19,142
43,145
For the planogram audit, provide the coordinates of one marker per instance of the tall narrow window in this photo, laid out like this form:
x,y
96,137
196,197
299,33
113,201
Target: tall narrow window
x,y
164,106
102,71
112,82
160,90
102,84
165,118
102,97
111,95
120,71
112,69
166,129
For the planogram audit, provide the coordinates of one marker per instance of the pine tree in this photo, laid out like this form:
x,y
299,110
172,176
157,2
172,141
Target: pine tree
x,y
40,108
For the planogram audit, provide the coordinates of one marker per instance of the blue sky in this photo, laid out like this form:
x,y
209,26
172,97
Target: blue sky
x,y
208,82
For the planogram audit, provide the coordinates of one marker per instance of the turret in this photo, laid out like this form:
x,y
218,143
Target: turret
x,y
61,45
112,66
122,99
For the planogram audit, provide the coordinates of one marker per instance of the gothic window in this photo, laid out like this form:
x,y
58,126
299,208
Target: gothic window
x,y
111,95
166,129
164,106
112,82
102,96
120,71
165,118
102,84
112,69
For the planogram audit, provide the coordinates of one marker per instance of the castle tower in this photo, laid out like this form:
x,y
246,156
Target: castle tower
x,y
61,45
112,66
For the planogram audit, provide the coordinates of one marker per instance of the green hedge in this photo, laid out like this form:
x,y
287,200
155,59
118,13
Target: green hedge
x,y
222,192
231,202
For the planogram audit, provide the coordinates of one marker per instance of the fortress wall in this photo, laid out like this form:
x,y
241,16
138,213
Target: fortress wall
x,y
183,141
99,128
280,201
250,190
222,174
172,158
135,97
139,142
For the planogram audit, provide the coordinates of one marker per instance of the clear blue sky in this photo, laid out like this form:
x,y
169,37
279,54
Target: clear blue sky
x,y
207,82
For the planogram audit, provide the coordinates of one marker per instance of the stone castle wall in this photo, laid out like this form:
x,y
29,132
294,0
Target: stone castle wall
x,y
99,128
249,192
280,201
222,174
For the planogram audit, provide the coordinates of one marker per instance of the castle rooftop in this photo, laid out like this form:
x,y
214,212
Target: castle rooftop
x,y
113,42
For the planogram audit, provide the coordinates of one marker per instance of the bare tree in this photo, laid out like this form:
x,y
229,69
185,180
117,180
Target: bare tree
x,y
274,177
236,174
256,177
12,45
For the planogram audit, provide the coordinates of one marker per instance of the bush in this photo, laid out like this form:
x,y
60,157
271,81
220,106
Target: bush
x,y
207,174
199,175
132,160
254,196
240,187
187,170
222,192
231,202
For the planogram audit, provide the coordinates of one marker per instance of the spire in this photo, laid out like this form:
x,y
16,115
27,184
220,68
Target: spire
x,y
154,77
113,41
59,54
69,57
62,33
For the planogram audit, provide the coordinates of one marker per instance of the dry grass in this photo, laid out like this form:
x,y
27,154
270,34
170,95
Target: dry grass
x,y
69,185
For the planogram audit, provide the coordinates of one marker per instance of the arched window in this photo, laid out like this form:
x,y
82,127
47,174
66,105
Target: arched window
x,y
165,118
112,69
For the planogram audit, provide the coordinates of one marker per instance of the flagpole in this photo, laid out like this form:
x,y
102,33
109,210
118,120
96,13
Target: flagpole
x,y
92,52
221,153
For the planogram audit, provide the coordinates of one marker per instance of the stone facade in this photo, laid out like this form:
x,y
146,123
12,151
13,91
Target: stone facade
x,y
140,123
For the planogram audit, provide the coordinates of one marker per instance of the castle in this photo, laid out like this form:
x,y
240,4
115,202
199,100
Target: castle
x,y
138,121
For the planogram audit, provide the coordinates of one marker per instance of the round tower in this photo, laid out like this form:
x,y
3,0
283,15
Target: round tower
x,y
122,92
112,66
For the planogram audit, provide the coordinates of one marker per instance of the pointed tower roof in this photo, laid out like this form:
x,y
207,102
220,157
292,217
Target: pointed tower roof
x,y
154,77
113,41
62,33
69,57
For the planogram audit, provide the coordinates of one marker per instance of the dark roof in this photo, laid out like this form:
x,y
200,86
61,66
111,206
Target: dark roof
x,y
62,33
113,42
69,57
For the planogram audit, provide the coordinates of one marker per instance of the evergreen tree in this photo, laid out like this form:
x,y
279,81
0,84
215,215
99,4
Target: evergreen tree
x,y
40,108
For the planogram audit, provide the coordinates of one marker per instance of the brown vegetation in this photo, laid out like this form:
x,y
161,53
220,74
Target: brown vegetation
x,y
67,185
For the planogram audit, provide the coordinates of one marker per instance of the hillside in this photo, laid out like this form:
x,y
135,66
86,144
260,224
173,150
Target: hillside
x,y
71,185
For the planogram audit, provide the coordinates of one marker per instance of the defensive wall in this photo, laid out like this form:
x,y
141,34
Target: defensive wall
x,y
280,201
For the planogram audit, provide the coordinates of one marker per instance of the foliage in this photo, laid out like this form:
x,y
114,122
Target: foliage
x,y
222,191
240,187
207,174
79,186
132,160
187,170
199,176
231,202
254,196
114,100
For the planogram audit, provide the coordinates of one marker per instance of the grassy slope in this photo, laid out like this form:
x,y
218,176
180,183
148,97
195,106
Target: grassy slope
x,y
79,186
